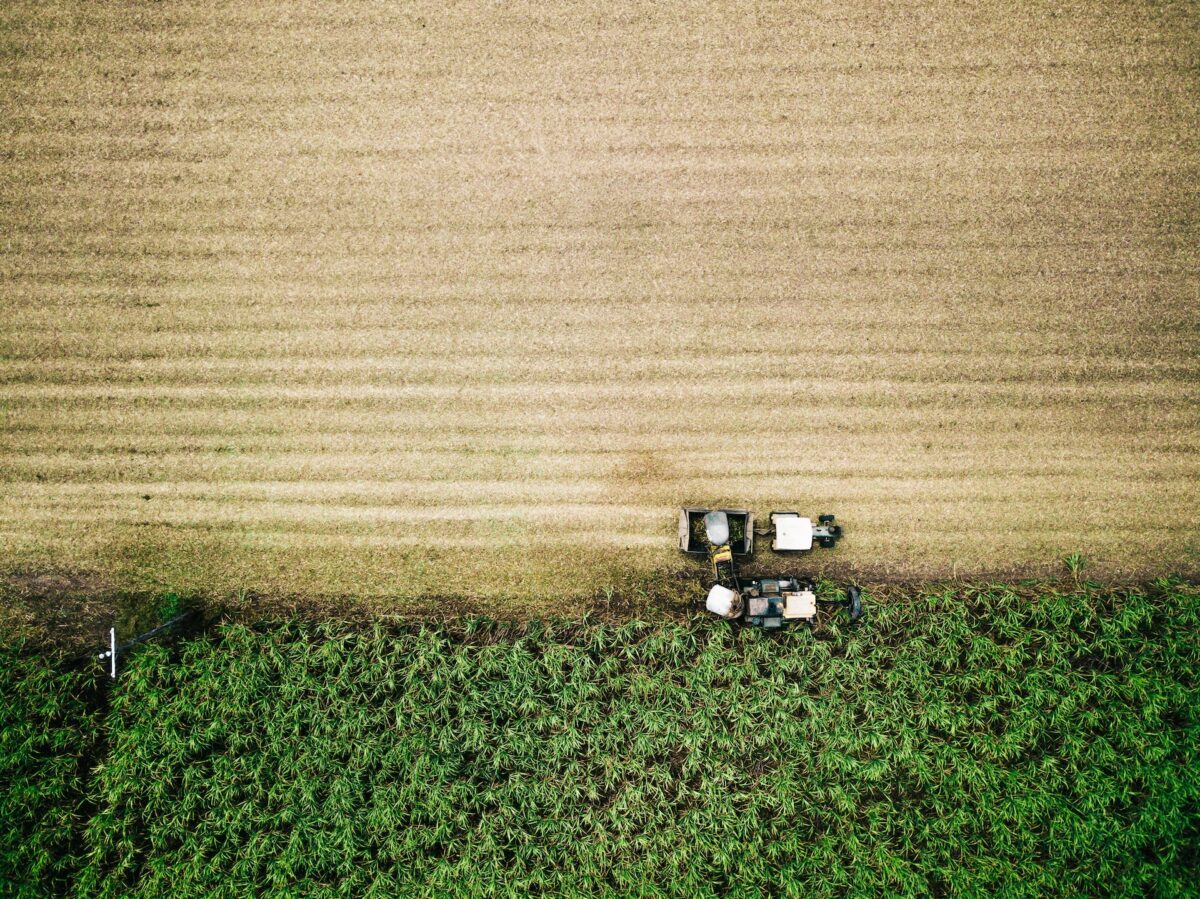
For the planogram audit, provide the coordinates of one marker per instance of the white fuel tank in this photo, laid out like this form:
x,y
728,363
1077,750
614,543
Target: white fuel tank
x,y
723,601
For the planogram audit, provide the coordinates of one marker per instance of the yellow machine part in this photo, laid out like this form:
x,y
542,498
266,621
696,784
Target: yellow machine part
x,y
722,563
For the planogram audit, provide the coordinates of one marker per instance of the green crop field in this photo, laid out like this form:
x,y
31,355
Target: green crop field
x,y
979,742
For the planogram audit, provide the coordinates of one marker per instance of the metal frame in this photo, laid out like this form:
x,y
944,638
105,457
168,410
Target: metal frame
x,y
685,530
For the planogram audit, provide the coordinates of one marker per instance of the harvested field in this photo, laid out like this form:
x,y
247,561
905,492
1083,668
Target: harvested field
x,y
357,300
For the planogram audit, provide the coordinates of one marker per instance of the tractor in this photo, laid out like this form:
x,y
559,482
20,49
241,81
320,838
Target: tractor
x,y
770,603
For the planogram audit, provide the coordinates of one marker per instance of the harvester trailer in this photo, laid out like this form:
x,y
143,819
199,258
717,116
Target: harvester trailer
x,y
766,602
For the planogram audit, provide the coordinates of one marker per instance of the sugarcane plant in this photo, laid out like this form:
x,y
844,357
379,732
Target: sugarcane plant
x,y
1000,742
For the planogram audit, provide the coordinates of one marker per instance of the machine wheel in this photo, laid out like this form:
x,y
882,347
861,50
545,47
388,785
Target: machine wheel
x,y
825,542
826,519
854,603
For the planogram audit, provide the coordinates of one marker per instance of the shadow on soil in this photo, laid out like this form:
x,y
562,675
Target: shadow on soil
x,y
71,612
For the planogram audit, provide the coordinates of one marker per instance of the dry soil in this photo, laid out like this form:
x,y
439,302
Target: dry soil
x,y
466,299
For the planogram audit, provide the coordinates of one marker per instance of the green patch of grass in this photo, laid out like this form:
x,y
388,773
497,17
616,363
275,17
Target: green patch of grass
x,y
980,740
50,734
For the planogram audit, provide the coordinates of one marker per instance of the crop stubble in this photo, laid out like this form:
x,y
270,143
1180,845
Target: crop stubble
x,y
368,300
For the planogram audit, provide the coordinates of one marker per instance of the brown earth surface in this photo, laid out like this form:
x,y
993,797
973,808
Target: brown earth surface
x,y
466,300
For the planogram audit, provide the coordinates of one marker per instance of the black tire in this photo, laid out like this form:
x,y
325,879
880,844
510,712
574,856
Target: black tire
x,y
825,542
826,519
854,603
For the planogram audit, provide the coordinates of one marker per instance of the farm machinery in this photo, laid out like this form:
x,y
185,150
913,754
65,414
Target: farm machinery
x,y
767,602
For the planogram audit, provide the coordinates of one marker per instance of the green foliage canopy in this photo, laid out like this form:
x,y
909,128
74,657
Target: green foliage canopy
x,y
978,742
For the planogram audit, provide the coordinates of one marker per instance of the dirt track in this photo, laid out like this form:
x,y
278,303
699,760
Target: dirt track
x,y
290,295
